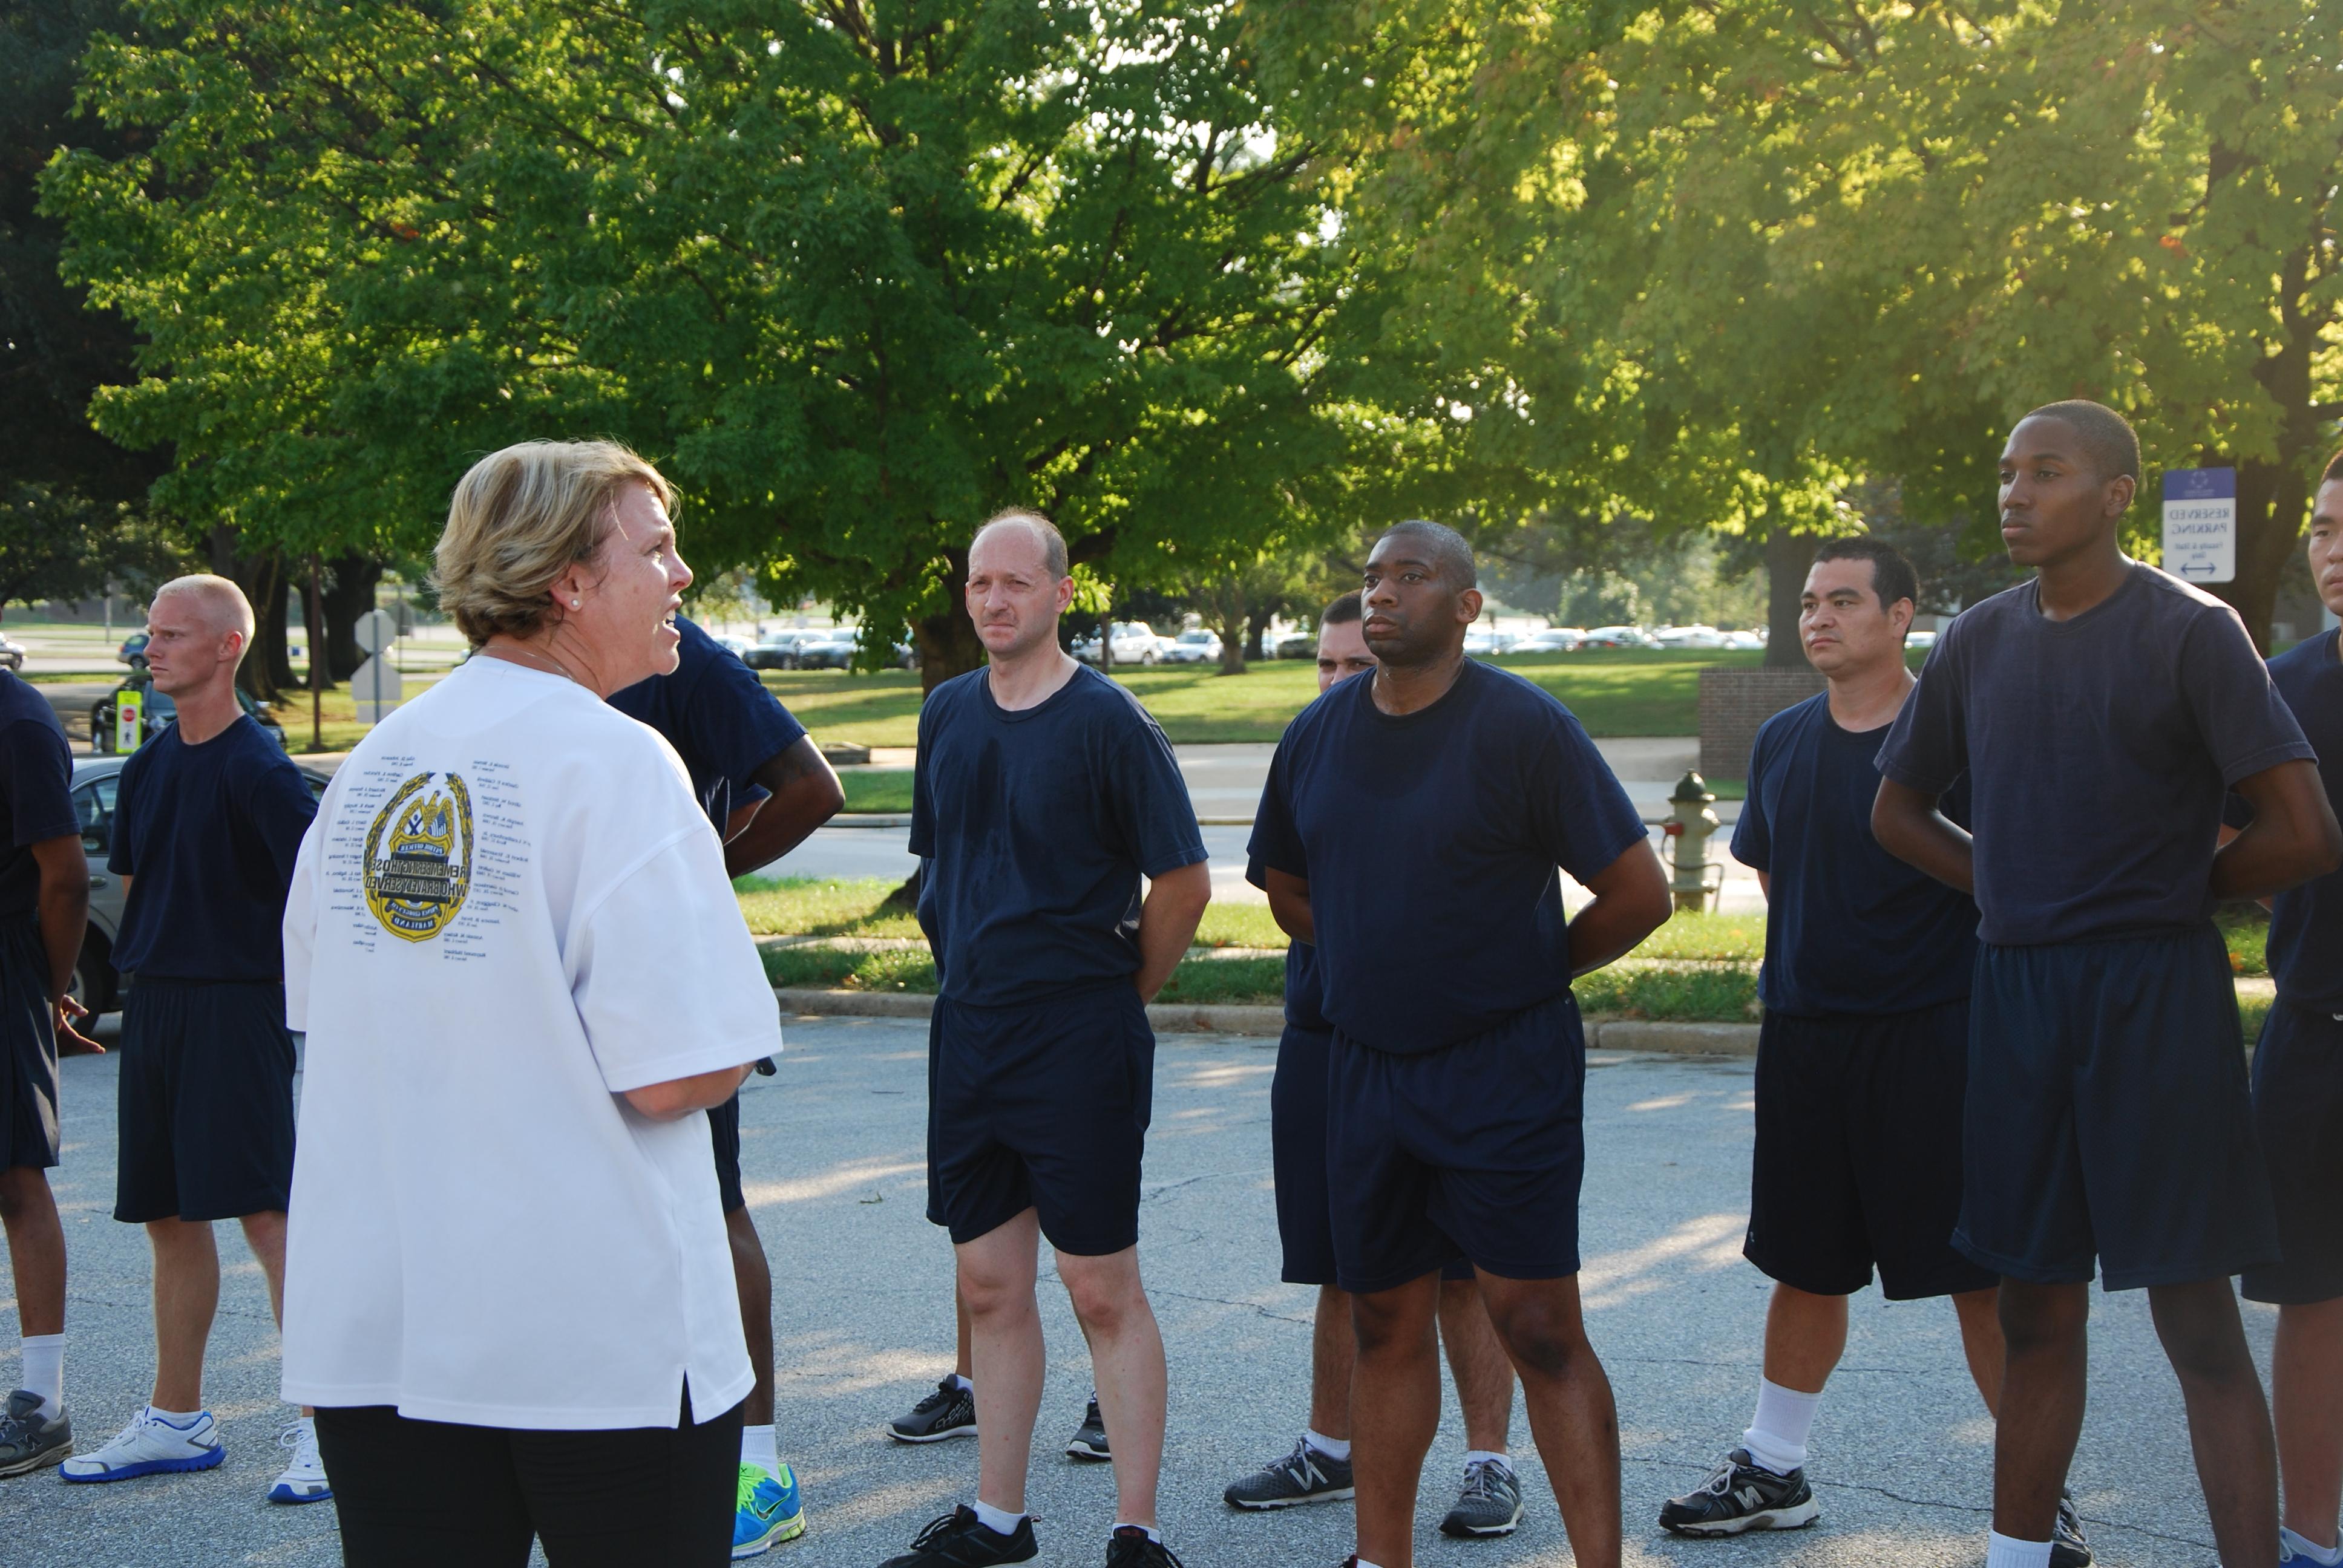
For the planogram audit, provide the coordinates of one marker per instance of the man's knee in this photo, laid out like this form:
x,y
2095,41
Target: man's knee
x,y
21,1188
2044,1319
2202,1336
1543,1332
1392,1322
1106,1293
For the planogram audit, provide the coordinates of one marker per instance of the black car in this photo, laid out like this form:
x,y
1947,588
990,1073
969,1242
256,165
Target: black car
x,y
158,710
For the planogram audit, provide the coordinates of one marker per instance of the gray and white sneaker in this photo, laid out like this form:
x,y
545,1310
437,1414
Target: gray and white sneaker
x,y
1741,1495
28,1439
2069,1547
1089,1442
948,1412
1305,1475
1490,1504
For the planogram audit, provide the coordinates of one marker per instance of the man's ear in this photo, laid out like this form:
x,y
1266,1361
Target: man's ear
x,y
1469,604
2120,491
1900,615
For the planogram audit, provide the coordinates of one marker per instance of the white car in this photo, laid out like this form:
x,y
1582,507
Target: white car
x,y
1196,646
1688,637
1919,639
1135,642
1553,639
1745,641
1617,637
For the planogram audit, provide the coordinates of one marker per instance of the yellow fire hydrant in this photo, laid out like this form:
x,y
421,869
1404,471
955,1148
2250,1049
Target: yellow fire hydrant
x,y
1689,825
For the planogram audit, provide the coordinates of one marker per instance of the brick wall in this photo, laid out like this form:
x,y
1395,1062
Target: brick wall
x,y
1734,702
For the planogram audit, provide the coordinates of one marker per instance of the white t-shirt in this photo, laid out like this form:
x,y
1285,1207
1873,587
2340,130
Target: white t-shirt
x,y
508,911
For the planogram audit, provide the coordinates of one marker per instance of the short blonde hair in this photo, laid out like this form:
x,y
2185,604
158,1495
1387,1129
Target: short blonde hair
x,y
518,518
228,608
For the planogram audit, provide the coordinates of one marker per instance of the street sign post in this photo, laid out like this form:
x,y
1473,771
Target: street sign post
x,y
376,685
2200,524
129,720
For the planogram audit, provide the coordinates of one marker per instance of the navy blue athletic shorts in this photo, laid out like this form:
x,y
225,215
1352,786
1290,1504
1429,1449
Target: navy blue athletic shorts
x,y
724,1134
1040,1107
2299,1112
2108,1116
1297,1147
1858,1160
28,1043
204,1108
1475,1149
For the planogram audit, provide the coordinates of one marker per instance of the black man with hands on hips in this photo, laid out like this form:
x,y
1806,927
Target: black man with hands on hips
x,y
1042,795
1863,1058
1411,831
764,786
2298,1099
1318,1469
43,911
2099,713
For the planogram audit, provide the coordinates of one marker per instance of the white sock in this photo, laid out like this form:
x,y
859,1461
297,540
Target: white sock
x,y
1776,1437
2001,1552
45,1370
2302,1546
757,1447
1000,1521
1363,1562
966,1386
1152,1534
1332,1447
176,1417
1474,1456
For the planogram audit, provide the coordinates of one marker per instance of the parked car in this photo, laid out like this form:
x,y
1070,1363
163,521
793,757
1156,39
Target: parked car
x,y
777,651
133,651
1617,637
1553,639
1196,647
1483,642
1135,642
96,984
11,652
1919,639
833,650
1296,644
737,647
1744,640
158,710
1688,637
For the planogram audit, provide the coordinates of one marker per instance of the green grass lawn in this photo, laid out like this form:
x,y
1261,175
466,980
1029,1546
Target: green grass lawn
x,y
877,788
1613,692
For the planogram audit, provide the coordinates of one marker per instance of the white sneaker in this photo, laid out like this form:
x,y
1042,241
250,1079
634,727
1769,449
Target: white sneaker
x,y
303,1480
149,1445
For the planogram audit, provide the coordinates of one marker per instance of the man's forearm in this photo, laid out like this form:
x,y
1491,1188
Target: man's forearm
x,y
803,794
1909,826
64,919
1167,923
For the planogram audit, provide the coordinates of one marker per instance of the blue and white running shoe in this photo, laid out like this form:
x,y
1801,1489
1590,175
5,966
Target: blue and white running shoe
x,y
303,1480
149,1445
767,1510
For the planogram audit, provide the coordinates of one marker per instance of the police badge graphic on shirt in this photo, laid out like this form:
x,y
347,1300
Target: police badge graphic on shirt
x,y
418,855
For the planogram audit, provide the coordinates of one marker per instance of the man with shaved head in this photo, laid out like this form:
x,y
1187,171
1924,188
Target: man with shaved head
x,y
2098,714
1043,796
208,818
1411,831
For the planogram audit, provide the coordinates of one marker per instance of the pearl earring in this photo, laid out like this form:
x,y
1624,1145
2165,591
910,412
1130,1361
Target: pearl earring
x,y
573,604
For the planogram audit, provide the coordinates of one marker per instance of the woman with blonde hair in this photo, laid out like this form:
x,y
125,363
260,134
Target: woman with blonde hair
x,y
508,1290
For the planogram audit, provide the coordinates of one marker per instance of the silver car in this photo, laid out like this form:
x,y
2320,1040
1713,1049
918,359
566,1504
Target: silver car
x,y
96,983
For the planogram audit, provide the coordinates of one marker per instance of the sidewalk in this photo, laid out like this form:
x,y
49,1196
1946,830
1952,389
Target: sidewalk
x,y
835,1156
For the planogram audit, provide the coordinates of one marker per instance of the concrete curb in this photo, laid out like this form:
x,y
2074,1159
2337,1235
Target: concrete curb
x,y
1268,1023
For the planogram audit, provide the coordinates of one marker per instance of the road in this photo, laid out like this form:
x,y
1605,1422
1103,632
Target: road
x,y
833,1149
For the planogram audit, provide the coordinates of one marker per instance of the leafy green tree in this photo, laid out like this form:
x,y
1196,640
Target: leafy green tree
x,y
856,275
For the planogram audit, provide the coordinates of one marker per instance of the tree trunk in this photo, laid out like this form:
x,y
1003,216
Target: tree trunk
x,y
947,642
267,673
1228,607
1788,558
349,595
1257,619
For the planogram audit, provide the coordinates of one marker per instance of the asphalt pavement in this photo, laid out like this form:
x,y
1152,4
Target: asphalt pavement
x,y
833,1150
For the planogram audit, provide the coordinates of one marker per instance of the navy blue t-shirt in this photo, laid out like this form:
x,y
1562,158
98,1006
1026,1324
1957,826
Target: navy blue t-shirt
x,y
719,718
207,835
1305,1002
1429,841
2098,751
1035,828
35,792
1849,928
2306,929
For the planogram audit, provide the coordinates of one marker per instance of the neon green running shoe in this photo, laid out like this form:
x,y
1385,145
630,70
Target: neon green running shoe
x,y
767,1511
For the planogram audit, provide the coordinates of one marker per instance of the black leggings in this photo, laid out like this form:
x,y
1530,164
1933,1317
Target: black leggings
x,y
418,1491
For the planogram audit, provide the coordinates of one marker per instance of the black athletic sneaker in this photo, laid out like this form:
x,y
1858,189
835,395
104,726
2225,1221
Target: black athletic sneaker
x,y
1305,1475
29,1441
1088,1441
2067,1547
1741,1495
949,1412
1131,1547
959,1539
1490,1504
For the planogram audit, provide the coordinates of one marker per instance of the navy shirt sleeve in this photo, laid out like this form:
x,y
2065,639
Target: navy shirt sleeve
x,y
2246,724
39,784
1753,835
1927,748
1578,812
735,724
121,858
1275,844
923,805
1150,805
278,809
